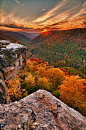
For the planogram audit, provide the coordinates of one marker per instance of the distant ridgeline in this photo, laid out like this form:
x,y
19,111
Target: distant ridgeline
x,y
12,60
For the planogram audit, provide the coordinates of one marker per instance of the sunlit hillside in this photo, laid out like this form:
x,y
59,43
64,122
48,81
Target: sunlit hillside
x,y
38,74
61,48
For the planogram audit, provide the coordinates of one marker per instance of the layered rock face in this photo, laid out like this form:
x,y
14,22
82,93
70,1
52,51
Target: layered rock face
x,y
4,96
2,89
12,58
40,111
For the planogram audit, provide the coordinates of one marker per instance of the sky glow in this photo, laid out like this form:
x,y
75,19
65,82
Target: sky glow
x,y
36,15
45,30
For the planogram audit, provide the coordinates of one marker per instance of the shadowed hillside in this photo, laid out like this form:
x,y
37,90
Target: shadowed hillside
x,y
7,37
18,36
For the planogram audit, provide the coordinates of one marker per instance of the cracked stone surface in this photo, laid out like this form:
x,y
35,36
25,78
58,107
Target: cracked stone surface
x,y
40,111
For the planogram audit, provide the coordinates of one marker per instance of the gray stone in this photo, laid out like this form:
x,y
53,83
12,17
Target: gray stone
x,y
12,58
4,96
41,111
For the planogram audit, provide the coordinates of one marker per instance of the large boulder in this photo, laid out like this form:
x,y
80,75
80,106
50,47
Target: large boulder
x,y
40,111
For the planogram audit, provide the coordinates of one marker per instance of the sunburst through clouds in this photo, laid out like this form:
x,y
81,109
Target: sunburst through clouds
x,y
23,15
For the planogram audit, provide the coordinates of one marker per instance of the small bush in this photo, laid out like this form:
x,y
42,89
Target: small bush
x,y
56,93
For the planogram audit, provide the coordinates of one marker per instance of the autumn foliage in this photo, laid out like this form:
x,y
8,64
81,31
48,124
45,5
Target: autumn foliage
x,y
14,89
69,88
72,93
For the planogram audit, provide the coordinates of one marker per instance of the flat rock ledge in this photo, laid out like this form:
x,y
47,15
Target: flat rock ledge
x,y
40,111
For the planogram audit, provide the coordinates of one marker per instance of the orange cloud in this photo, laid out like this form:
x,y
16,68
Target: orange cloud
x,y
62,16
51,12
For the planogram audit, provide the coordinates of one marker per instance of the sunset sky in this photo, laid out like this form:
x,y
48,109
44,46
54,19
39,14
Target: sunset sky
x,y
36,15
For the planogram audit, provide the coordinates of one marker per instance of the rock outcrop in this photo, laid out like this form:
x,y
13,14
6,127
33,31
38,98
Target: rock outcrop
x,y
40,111
12,58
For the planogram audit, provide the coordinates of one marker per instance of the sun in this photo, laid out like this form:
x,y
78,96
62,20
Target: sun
x,y
45,30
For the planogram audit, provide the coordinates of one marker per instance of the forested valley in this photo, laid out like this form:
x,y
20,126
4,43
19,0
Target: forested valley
x,y
56,62
65,48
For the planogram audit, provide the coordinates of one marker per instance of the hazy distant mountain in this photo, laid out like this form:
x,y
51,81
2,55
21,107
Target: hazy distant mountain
x,y
30,35
18,36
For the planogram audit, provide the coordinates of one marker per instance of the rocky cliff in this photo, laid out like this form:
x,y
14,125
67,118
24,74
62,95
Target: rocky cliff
x,y
40,111
12,60
2,89
4,96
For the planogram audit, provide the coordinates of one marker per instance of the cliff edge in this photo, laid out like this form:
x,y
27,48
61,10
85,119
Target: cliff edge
x,y
12,60
40,111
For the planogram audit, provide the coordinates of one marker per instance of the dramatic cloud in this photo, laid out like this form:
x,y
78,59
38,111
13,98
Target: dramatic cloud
x,y
56,17
81,12
12,18
51,12
22,4
16,22
15,26
65,15
84,5
17,2
43,9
